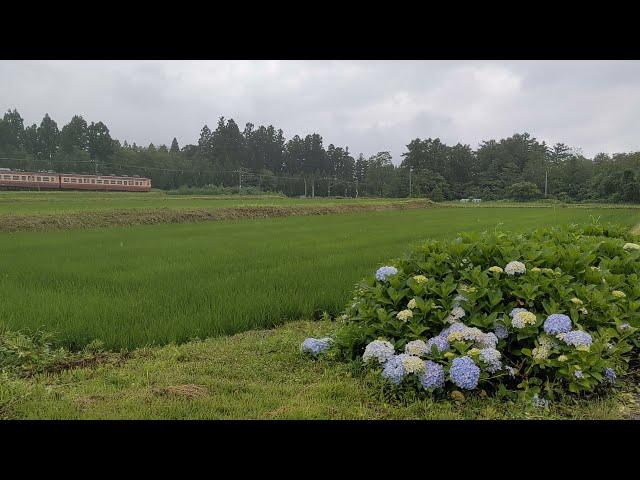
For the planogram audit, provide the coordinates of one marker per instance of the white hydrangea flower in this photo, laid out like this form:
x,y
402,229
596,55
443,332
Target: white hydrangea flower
x,y
420,279
413,364
541,352
416,347
405,315
412,303
515,267
379,350
522,319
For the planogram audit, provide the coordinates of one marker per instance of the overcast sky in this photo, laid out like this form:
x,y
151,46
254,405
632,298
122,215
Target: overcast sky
x,y
369,106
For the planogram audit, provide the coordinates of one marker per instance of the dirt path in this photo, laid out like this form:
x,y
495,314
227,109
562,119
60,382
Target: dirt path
x,y
118,218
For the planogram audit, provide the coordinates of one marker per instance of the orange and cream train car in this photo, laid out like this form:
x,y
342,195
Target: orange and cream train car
x,y
71,181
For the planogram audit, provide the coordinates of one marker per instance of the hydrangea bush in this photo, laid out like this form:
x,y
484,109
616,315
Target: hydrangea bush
x,y
552,311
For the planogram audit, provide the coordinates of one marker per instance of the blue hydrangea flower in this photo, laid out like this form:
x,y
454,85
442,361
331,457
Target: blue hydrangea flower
x,y
625,326
385,272
394,370
491,358
315,346
610,375
557,323
440,342
464,373
501,331
578,374
539,402
512,371
433,377
455,327
578,338
488,340
459,299
516,311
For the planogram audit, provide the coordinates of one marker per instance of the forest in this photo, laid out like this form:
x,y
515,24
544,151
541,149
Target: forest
x,y
519,167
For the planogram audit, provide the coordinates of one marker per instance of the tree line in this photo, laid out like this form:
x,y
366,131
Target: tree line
x,y
519,167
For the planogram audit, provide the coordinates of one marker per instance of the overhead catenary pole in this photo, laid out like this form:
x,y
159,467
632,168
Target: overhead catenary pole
x,y
409,182
545,182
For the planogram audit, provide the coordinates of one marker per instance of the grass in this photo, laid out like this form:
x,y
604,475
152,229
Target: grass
x,y
147,285
138,216
254,375
30,202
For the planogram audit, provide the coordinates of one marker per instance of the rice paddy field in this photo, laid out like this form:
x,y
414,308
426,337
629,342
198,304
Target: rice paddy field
x,y
150,285
204,320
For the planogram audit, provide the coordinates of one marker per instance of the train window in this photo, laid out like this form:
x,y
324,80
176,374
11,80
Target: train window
x,y
113,182
99,181
16,177
7,177
43,179
93,180
73,180
23,177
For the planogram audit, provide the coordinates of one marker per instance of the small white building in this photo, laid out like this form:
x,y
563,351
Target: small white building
x,y
476,200
464,200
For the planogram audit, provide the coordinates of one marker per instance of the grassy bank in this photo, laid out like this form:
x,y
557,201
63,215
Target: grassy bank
x,y
154,216
253,375
156,284
25,202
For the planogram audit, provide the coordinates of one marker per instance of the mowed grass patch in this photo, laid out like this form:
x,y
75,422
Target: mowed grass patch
x,y
255,375
156,284
52,202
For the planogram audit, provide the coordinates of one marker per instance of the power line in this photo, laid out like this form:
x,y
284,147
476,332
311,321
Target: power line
x,y
246,175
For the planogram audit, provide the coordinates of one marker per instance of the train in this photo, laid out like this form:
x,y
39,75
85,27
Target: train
x,y
72,181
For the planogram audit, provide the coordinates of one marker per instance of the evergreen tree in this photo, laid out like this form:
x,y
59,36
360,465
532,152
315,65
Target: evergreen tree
x,y
174,146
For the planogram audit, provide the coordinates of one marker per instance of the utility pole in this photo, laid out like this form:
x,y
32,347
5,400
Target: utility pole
x,y
356,187
313,187
329,187
239,180
545,183
409,182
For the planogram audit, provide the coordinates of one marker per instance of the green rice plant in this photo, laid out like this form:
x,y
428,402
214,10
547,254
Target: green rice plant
x,y
155,284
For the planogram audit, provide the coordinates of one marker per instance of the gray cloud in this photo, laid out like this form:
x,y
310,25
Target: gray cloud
x,y
369,106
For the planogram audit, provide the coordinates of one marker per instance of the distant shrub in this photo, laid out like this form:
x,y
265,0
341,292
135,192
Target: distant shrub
x,y
220,190
523,191
553,311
